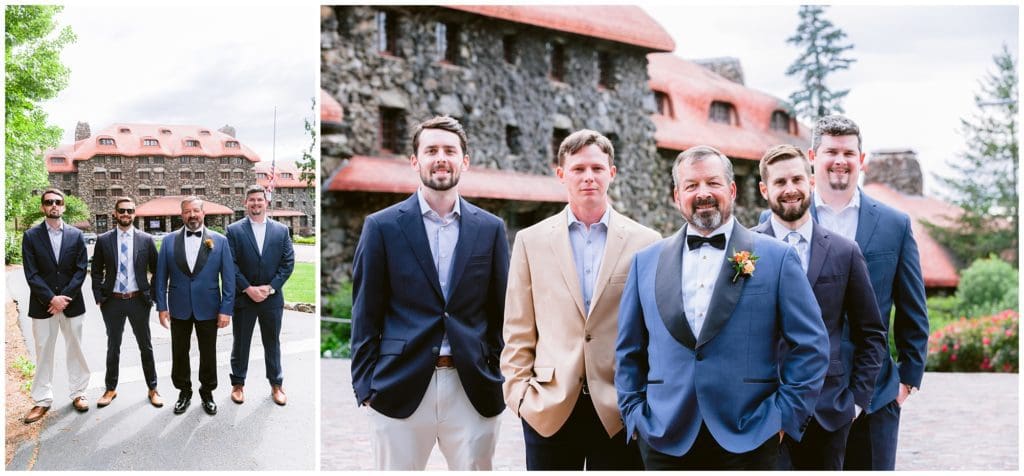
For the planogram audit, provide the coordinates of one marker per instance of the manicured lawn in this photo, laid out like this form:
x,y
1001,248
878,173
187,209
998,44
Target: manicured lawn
x,y
301,287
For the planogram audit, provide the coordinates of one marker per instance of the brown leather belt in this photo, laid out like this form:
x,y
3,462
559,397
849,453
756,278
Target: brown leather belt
x,y
444,361
125,295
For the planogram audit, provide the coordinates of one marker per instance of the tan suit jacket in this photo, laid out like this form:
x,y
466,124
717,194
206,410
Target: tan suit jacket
x,y
551,345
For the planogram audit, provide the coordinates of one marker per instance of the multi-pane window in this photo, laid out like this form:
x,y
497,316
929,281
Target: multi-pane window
x,y
144,191
57,160
225,174
115,175
606,70
158,175
68,177
184,159
446,38
99,174
160,191
150,142
186,190
238,190
106,141
191,143
144,159
238,175
115,159
781,122
387,33
231,144
143,175
199,175
261,176
99,192
185,174
557,58
158,160
225,160
391,130
225,190
200,191
664,104
723,112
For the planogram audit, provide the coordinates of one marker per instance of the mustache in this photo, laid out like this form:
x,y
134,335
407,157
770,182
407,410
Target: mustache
x,y
705,202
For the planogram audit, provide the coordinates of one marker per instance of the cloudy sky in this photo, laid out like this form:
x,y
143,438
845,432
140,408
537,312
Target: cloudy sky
x,y
916,73
202,65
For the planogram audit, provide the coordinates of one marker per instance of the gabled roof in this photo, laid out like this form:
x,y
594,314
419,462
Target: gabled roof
x,y
129,141
936,263
378,174
630,25
330,109
171,205
280,168
691,89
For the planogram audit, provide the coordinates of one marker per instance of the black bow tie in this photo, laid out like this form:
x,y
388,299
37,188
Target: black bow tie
x,y
199,233
694,241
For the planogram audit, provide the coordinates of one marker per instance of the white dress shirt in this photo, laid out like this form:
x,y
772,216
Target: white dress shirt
x,y
587,251
127,237
844,221
192,244
56,239
803,245
701,268
259,230
443,235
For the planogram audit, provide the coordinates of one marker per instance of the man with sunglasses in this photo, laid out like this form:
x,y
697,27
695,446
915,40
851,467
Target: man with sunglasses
x,y
55,262
122,262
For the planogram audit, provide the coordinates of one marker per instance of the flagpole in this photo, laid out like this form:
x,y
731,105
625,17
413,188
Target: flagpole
x,y
273,163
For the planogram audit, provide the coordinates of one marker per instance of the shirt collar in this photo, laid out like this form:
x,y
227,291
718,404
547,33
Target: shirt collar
x,y
130,232
59,229
603,220
202,229
425,207
725,228
256,223
781,230
854,202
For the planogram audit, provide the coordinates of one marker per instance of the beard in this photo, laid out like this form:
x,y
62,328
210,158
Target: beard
x,y
790,212
193,224
54,212
440,184
839,181
125,221
707,220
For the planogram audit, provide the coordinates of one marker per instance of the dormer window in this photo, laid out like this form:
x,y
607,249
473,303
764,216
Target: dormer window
x,y
204,132
106,141
191,143
165,131
231,144
286,175
723,113
782,122
150,142
57,160
261,176
125,130
664,104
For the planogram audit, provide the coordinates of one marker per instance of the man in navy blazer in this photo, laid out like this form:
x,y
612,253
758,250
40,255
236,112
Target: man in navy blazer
x,y
264,260
700,379
428,295
122,264
55,262
837,273
887,243
192,261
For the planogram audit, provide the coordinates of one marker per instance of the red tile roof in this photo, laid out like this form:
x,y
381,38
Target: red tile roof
x,y
377,174
281,212
330,108
620,23
936,263
171,206
281,169
691,89
128,141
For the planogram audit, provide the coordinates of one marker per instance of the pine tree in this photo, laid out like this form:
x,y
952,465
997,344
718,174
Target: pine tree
x,y
984,182
821,57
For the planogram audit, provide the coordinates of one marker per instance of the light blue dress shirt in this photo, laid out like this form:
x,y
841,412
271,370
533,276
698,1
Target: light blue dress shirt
x,y
587,251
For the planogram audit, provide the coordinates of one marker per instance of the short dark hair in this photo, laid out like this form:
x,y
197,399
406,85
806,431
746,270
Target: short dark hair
x,y
255,188
190,199
121,200
54,191
698,154
782,153
582,138
835,125
445,123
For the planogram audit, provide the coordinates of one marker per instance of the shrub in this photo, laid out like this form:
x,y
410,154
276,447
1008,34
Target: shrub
x,y
942,310
304,240
12,247
335,336
982,344
987,287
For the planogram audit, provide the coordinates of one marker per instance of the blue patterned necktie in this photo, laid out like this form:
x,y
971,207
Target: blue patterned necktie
x,y
797,241
122,267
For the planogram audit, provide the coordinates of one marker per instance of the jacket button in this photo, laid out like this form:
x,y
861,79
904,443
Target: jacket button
x,y
700,356
446,315
588,338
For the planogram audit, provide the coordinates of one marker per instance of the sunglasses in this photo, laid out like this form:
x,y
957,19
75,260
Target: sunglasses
x,y
126,211
53,201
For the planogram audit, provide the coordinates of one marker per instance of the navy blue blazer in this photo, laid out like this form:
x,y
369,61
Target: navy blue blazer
x,y
839,278
887,242
48,278
274,266
399,314
206,291
104,264
731,377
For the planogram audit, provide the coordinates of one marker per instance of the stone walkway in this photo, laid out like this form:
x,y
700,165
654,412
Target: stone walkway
x,y
956,422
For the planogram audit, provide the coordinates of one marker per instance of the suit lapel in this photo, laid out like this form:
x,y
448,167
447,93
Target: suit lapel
x,y
179,253
866,221
469,228
204,251
614,244
820,244
668,290
727,293
411,222
562,252
65,241
138,264
250,234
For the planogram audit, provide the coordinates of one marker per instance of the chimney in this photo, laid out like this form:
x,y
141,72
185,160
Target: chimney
x,y
727,67
82,131
897,168
227,130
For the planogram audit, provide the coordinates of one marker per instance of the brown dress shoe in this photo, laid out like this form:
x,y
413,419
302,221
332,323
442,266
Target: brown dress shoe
x,y
35,414
238,394
80,404
107,397
278,395
154,398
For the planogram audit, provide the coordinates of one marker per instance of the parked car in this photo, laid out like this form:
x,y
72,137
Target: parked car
x,y
90,238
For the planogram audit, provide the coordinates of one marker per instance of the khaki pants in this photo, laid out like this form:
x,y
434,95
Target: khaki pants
x,y
45,331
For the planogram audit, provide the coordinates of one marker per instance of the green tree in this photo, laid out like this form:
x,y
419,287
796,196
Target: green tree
x,y
307,164
75,210
822,56
984,178
34,74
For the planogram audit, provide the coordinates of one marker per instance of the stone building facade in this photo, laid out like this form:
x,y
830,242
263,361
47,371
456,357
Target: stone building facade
x,y
293,201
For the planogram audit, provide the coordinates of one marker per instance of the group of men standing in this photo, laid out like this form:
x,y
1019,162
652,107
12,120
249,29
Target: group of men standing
x,y
719,347
198,280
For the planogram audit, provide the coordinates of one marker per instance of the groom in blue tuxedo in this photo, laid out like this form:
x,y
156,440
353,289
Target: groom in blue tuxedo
x,y
700,379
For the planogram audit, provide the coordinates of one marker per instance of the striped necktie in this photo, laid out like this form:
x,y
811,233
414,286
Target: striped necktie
x,y
122,266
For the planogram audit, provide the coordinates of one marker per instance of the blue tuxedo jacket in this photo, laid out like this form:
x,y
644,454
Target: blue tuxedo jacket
x,y
730,377
48,278
399,314
196,293
104,264
842,287
888,245
274,266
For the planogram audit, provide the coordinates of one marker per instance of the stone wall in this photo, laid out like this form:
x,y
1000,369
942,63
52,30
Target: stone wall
x,y
897,168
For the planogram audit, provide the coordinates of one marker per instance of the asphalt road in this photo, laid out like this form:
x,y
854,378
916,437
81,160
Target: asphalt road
x,y
130,434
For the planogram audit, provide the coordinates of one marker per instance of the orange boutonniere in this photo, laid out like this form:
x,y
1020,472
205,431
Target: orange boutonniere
x,y
209,243
743,263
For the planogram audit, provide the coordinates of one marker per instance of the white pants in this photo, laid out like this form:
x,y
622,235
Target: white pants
x,y
445,415
45,331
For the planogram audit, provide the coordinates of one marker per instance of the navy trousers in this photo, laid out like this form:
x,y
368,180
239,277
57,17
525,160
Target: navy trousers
x,y
707,454
581,443
136,311
243,324
181,344
872,442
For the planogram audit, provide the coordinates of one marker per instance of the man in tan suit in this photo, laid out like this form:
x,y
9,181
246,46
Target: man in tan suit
x,y
561,314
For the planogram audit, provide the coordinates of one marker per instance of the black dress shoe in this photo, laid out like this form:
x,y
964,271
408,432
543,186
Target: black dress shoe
x,y
184,399
209,406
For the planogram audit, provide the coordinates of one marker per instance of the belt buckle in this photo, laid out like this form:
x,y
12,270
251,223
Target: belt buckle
x,y
586,389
